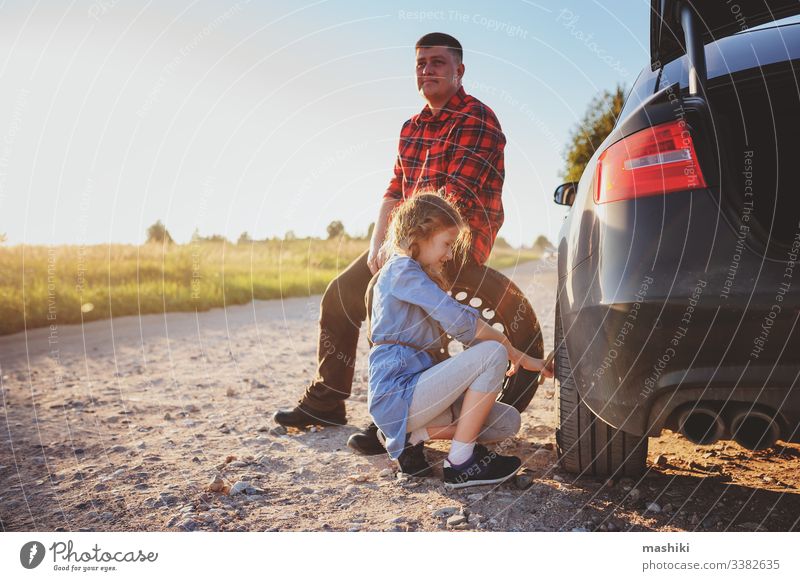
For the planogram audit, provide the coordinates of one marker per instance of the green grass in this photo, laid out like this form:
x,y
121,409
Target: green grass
x,y
41,285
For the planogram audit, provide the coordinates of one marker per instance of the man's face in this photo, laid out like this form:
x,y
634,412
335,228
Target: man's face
x,y
438,73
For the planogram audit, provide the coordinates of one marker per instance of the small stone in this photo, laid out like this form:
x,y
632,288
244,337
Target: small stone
x,y
580,530
238,464
446,511
217,484
191,408
523,481
475,497
558,478
313,429
634,494
188,524
666,508
653,507
456,520
168,499
100,487
278,431
238,488
167,416
117,448
386,473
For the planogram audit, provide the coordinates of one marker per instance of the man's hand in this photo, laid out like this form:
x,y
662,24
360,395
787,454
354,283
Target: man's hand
x,y
376,257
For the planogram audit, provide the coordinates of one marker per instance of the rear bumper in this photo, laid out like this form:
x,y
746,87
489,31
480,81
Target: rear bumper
x,y
648,334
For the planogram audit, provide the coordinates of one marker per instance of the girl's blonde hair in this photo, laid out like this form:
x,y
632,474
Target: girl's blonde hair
x,y
419,218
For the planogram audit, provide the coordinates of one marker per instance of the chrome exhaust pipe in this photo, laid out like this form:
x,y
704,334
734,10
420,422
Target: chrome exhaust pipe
x,y
701,425
755,430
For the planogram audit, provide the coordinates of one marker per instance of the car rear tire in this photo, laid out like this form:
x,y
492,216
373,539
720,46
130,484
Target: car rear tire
x,y
503,305
586,445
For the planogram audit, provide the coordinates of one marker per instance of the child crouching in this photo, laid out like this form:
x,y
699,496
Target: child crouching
x,y
413,396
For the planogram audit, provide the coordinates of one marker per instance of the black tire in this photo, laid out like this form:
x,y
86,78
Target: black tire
x,y
503,303
586,445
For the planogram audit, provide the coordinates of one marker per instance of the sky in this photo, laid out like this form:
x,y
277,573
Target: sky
x,y
272,116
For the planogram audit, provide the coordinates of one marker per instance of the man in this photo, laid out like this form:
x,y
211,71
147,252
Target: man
x,y
454,144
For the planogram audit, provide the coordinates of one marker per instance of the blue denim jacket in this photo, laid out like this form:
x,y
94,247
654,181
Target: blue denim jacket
x,y
406,305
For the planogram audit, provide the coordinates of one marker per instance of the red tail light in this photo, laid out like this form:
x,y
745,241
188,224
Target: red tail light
x,y
653,161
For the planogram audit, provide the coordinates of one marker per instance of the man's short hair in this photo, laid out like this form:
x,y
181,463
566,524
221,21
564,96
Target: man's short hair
x,y
441,39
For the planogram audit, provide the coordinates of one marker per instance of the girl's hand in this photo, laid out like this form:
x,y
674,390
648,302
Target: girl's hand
x,y
520,359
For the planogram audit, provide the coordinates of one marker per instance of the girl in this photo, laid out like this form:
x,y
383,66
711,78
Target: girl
x,y
411,397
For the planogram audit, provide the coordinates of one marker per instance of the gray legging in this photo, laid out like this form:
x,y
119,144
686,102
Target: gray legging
x,y
440,391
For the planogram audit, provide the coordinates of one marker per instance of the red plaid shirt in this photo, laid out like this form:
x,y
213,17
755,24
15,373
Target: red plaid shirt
x,y
459,149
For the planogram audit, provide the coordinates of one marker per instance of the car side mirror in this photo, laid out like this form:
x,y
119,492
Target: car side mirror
x,y
565,193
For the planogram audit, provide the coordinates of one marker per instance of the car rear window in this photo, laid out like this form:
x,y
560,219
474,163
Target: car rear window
x,y
757,48
643,88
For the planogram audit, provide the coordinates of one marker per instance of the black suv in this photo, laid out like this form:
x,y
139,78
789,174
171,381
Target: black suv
x,y
679,281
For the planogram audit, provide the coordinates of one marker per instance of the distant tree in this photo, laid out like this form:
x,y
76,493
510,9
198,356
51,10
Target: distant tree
x,y
159,233
290,235
501,242
244,238
335,229
542,243
586,136
216,238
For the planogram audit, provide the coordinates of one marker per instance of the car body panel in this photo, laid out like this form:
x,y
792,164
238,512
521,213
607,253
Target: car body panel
x,y
663,302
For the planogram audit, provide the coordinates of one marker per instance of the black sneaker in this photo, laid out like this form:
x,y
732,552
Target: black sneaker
x,y
413,462
485,467
300,417
366,441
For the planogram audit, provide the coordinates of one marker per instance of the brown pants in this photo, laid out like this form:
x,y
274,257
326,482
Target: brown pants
x,y
342,311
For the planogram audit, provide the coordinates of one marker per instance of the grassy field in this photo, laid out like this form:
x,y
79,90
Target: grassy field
x,y
41,285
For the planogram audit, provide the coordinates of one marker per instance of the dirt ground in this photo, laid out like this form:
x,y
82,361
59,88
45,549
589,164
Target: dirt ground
x,y
123,426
